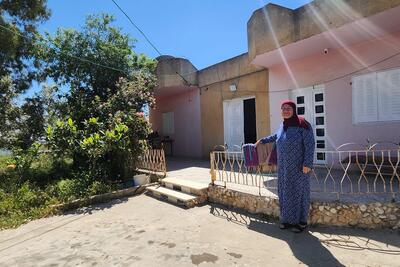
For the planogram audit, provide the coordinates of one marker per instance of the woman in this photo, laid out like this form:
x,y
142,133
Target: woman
x,y
295,150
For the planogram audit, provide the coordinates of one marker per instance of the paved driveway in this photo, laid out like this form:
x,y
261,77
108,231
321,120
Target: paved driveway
x,y
143,231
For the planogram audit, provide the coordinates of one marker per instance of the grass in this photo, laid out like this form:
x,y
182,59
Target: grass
x,y
28,194
26,199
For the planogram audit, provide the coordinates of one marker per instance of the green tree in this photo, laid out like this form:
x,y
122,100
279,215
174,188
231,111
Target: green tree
x,y
18,29
100,124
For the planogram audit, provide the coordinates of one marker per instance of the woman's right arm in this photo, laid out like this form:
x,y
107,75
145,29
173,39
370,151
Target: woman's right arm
x,y
268,139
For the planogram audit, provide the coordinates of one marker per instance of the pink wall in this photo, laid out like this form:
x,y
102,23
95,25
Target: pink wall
x,y
187,122
320,68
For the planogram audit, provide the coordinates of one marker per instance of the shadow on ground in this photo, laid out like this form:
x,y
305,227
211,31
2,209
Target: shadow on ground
x,y
96,207
306,246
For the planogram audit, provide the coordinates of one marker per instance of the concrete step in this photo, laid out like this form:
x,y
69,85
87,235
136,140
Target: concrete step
x,y
185,186
174,196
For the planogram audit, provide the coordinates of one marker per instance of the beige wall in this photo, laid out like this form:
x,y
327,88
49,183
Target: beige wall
x,y
214,82
211,101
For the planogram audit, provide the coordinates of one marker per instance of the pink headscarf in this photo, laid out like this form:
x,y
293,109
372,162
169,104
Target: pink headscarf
x,y
294,121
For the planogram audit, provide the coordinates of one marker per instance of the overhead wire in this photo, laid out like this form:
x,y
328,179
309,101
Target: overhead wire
x,y
189,73
322,82
61,52
137,27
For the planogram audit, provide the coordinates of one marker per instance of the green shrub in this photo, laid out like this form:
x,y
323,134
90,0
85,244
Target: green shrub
x,y
5,161
67,190
24,204
98,187
28,197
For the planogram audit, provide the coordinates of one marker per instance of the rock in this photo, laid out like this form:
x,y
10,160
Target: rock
x,y
353,223
367,221
392,217
327,219
333,210
382,216
380,211
363,208
321,208
376,220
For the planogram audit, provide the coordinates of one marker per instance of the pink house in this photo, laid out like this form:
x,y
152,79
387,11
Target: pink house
x,y
176,116
341,65
338,60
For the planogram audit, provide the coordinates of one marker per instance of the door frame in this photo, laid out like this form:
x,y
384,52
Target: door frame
x,y
242,98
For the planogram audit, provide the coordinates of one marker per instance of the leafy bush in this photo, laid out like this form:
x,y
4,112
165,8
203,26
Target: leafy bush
x,y
4,162
98,187
91,131
28,197
25,203
66,190
99,121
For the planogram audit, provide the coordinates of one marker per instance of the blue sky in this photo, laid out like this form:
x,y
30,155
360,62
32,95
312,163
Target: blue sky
x,y
203,31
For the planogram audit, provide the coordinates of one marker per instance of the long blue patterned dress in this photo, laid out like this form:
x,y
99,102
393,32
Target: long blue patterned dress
x,y
295,149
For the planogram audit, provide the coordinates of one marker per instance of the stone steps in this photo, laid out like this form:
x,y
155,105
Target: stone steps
x,y
186,186
181,192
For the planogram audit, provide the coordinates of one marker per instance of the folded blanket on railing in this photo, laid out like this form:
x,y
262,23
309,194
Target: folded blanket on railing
x,y
273,156
250,155
264,152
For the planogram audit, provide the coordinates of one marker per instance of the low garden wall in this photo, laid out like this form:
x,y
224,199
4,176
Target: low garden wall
x,y
370,215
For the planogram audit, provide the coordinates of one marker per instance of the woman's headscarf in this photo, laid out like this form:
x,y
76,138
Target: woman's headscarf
x,y
294,121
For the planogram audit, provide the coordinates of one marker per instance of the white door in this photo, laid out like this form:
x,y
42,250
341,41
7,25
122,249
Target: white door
x,y
233,124
310,103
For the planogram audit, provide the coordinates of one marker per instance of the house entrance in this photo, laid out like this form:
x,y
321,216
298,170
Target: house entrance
x,y
239,122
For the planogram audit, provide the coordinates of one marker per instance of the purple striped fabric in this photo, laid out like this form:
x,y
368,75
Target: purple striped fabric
x,y
250,155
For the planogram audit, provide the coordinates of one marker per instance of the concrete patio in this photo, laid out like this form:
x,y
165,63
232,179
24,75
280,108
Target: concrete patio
x,y
143,231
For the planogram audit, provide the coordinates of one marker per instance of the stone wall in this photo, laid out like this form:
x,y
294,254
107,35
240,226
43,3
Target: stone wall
x,y
371,215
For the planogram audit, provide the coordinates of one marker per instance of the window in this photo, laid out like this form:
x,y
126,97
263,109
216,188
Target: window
x,y
320,120
376,96
300,111
319,109
168,123
320,132
320,156
319,97
321,144
300,100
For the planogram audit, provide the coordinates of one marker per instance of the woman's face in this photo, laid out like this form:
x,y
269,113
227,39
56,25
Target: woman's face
x,y
287,111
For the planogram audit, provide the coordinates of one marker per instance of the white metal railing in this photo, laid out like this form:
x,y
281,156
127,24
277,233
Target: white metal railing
x,y
352,172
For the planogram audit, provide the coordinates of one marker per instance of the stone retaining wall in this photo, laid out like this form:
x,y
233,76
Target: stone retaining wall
x,y
371,215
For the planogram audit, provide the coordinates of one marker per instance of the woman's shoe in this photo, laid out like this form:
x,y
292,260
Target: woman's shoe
x,y
303,225
297,229
283,226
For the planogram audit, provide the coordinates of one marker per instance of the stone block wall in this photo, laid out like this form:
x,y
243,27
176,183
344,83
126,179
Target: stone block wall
x,y
371,215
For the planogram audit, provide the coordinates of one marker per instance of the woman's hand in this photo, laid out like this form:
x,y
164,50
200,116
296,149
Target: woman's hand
x,y
306,169
258,142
